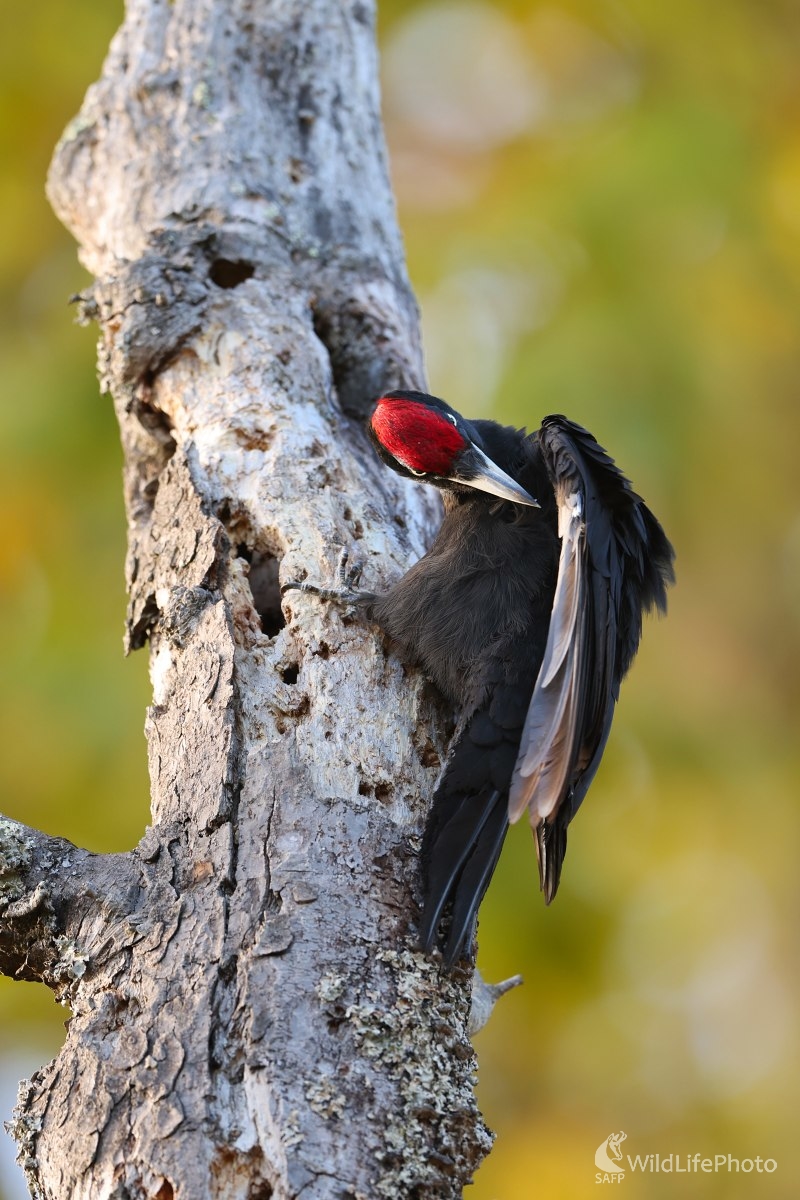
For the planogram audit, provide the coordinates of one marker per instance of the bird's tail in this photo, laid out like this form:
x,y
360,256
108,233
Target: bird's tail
x,y
463,840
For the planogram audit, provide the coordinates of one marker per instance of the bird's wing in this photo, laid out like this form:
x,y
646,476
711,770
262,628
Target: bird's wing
x,y
615,563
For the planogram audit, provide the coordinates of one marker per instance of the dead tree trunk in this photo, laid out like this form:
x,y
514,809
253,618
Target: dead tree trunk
x,y
251,1018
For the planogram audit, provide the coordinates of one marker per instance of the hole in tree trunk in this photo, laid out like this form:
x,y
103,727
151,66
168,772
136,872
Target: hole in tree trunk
x,y
263,580
260,1191
156,422
227,273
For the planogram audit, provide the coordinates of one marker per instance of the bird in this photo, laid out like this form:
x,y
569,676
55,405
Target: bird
x,y
526,613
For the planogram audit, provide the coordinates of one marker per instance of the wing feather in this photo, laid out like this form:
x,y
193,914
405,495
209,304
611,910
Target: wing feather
x,y
549,730
565,605
615,563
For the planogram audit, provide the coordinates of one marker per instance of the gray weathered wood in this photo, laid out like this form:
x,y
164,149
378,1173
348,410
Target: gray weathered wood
x,y
251,1017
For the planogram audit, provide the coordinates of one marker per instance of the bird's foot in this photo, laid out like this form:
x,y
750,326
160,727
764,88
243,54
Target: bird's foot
x,y
345,592
348,572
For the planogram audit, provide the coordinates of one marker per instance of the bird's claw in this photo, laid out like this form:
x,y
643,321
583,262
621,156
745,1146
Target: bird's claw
x,y
346,578
348,574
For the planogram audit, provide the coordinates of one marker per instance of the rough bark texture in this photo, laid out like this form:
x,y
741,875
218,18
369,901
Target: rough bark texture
x,y
251,1018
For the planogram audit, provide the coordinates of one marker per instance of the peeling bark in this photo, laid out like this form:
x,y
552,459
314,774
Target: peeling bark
x,y
251,1017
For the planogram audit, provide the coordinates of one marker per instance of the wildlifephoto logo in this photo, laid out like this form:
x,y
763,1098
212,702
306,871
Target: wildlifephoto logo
x,y
612,1164
608,1159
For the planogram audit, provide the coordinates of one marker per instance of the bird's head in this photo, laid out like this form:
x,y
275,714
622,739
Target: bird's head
x,y
422,437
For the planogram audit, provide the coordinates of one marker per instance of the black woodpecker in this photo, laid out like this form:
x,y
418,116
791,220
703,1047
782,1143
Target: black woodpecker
x,y
526,613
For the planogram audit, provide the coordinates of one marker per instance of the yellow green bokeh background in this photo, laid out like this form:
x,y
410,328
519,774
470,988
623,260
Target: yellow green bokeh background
x,y
601,205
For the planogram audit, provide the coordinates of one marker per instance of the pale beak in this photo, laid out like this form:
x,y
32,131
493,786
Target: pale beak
x,y
477,471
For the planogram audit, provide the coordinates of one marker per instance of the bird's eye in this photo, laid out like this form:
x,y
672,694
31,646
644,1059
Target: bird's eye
x,y
414,471
450,417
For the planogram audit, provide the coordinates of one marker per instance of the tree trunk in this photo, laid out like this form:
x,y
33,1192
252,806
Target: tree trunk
x,y
251,1016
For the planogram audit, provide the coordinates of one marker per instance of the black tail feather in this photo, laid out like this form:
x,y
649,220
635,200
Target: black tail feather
x,y
474,880
454,824
462,844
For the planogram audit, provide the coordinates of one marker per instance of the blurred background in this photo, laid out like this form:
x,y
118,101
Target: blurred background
x,y
601,206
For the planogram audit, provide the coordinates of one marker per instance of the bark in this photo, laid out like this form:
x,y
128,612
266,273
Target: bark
x,y
251,1017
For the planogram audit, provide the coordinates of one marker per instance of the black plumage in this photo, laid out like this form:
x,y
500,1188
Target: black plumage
x,y
526,612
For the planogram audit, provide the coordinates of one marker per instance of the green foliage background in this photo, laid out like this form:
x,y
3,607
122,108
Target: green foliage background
x,y
629,255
